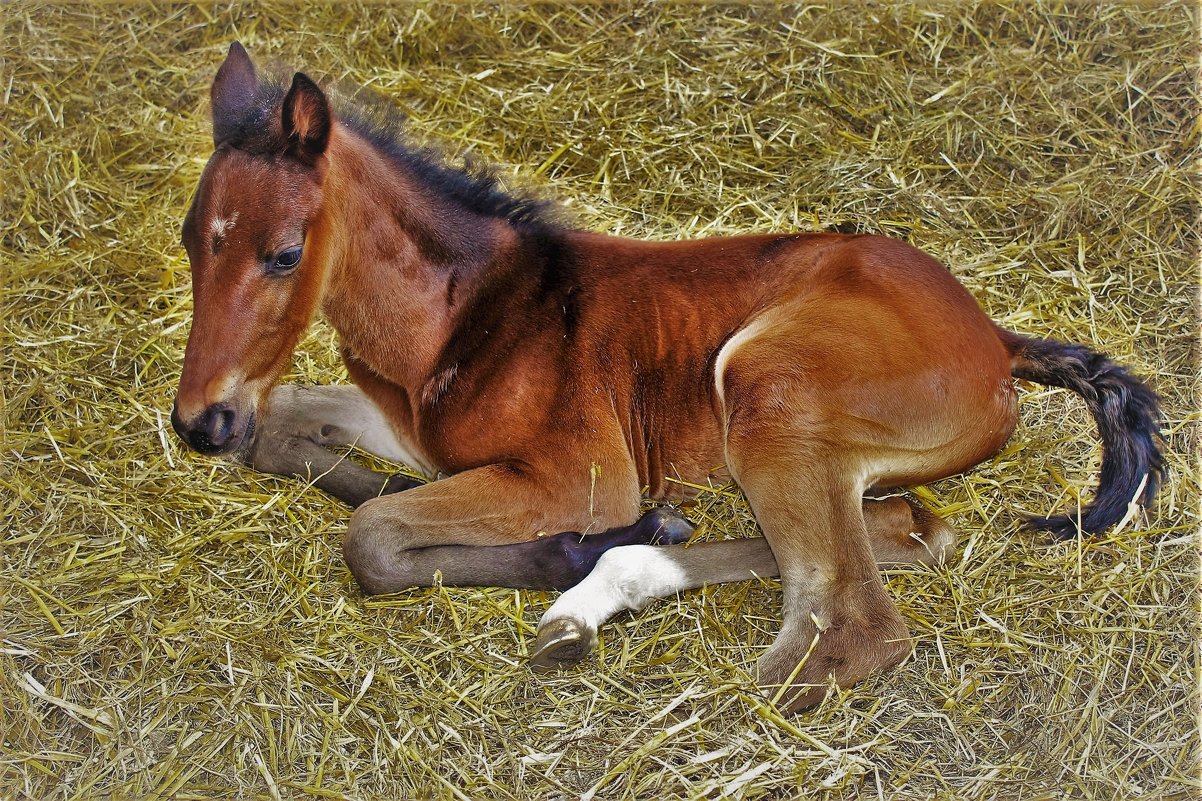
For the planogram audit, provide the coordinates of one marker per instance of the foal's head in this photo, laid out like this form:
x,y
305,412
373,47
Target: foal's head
x,y
254,239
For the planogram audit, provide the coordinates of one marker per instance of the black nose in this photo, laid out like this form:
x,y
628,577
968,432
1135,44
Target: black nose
x,y
212,431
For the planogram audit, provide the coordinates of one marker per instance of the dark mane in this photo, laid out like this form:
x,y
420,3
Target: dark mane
x,y
475,186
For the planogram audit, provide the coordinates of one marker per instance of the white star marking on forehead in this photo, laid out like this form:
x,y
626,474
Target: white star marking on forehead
x,y
223,225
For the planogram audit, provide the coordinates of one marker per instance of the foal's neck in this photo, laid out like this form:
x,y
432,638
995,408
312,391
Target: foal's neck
x,y
402,258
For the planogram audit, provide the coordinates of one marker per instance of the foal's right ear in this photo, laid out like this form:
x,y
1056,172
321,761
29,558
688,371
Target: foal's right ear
x,y
233,93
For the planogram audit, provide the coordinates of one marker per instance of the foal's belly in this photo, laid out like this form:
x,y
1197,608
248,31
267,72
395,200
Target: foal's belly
x,y
687,485
684,460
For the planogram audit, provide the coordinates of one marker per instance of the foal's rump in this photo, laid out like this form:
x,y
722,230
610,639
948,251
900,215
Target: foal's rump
x,y
880,351
883,356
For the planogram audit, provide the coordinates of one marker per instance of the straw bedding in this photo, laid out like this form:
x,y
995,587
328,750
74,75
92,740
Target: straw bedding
x,y
175,627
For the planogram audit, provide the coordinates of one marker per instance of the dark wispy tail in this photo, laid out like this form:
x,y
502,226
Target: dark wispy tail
x,y
1127,413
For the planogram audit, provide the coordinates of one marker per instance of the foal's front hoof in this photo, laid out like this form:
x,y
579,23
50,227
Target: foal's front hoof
x,y
664,526
561,642
399,483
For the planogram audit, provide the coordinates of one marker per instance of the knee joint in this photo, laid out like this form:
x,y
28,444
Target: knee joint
x,y
371,552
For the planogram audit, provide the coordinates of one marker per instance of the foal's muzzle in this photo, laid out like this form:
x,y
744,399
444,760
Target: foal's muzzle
x,y
220,428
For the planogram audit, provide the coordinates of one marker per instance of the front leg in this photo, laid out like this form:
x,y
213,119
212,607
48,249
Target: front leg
x,y
345,479
491,527
293,436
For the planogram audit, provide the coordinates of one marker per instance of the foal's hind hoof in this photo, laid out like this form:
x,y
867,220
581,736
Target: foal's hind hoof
x,y
562,642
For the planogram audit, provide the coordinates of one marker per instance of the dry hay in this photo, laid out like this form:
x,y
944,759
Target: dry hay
x,y
171,626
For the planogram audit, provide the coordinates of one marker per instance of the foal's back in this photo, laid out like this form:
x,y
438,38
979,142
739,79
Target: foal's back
x,y
658,319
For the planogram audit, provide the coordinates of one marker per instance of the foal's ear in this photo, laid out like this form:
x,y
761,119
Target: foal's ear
x,y
233,93
305,119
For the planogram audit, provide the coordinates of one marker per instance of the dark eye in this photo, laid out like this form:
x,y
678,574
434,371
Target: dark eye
x,y
285,261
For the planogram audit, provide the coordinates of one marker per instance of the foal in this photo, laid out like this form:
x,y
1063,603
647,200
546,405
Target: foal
x,y
556,375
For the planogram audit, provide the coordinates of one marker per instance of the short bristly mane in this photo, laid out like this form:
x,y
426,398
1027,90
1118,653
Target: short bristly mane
x,y
475,186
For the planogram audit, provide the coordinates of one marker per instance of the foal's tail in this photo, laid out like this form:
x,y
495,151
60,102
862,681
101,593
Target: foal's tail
x,y
1127,413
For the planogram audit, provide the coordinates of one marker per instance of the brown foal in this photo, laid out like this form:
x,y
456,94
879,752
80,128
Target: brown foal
x,y
556,376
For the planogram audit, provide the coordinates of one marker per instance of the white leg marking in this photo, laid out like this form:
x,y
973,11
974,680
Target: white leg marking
x,y
628,577
631,576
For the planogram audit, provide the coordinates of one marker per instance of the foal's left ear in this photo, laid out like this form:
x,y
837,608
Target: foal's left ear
x,y
306,120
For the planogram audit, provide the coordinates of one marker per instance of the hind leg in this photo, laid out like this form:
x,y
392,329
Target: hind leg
x,y
900,531
838,620
803,441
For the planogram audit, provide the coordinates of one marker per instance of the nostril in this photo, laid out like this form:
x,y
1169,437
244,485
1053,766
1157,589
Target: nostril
x,y
177,423
219,425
